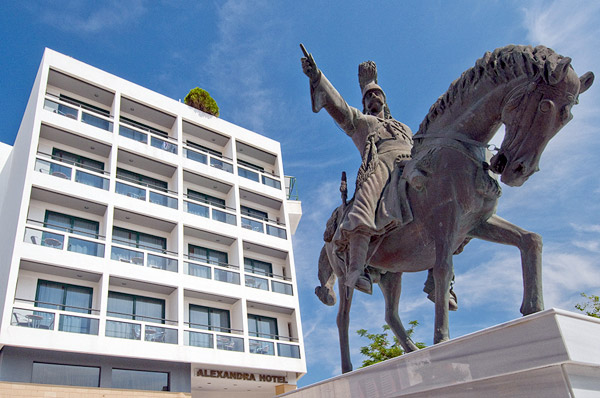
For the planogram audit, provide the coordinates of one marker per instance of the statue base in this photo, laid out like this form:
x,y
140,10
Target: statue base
x,y
549,354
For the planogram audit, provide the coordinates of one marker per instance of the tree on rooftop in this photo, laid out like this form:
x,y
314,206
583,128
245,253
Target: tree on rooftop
x,y
201,99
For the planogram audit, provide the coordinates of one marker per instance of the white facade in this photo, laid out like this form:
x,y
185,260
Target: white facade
x,y
119,195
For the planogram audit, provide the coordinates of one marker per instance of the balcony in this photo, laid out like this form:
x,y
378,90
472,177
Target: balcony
x,y
143,256
147,135
79,111
72,171
213,337
27,313
258,175
208,157
213,211
262,225
140,330
45,234
270,282
266,346
208,269
143,191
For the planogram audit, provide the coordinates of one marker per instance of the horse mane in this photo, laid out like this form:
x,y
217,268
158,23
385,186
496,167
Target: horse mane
x,y
499,66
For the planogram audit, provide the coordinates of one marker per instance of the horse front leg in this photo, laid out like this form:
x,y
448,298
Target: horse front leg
x,y
343,322
391,286
442,274
497,229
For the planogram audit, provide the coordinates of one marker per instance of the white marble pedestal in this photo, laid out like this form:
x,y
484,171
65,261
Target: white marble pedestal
x,y
553,353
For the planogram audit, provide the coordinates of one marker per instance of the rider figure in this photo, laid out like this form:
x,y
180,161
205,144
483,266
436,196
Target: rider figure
x,y
384,144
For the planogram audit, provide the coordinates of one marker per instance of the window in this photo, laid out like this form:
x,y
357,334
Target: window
x,y
207,318
65,375
62,296
208,256
84,105
76,225
128,306
139,239
143,126
251,165
140,380
262,326
81,161
208,199
250,212
203,148
258,267
142,180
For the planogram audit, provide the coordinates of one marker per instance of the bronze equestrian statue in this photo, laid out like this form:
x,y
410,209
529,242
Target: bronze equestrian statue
x,y
445,194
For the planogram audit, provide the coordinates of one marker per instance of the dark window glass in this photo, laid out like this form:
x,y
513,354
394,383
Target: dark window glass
x,y
65,375
140,380
204,198
139,239
208,256
251,165
85,105
250,212
262,326
127,306
209,318
143,126
76,225
142,179
82,161
203,148
258,267
62,296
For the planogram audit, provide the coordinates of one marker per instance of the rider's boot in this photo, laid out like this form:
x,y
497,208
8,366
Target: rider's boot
x,y
356,277
429,288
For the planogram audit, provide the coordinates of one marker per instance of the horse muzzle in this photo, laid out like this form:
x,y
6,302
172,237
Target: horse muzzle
x,y
513,173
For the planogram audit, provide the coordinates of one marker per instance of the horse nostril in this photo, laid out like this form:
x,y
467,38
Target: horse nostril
x,y
519,169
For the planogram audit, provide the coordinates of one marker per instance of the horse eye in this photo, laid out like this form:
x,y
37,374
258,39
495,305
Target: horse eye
x,y
545,106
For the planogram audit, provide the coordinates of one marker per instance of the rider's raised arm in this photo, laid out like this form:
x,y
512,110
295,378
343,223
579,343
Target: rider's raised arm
x,y
324,95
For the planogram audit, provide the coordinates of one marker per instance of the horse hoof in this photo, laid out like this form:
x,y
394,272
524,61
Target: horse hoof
x,y
326,295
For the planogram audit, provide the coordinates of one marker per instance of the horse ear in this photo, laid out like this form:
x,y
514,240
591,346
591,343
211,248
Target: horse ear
x,y
553,75
585,81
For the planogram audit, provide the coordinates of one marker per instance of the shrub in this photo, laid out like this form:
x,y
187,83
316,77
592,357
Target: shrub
x,y
201,99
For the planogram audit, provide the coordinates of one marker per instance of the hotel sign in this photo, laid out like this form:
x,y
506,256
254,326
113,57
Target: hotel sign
x,y
225,374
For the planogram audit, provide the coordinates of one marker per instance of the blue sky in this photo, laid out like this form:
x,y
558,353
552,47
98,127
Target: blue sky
x,y
246,54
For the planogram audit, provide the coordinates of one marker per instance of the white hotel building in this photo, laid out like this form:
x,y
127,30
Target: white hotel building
x,y
145,246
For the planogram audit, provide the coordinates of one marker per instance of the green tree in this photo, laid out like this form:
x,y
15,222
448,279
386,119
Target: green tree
x,y
591,307
201,99
380,349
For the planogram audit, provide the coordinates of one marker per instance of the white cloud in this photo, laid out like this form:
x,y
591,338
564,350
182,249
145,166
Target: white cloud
x,y
89,17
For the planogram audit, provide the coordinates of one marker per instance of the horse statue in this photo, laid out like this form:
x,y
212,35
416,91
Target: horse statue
x,y
448,184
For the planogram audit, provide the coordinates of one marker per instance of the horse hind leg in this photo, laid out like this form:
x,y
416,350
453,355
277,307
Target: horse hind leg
x,y
325,291
391,286
343,323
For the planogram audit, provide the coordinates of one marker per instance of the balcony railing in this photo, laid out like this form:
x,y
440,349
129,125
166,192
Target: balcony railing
x,y
78,242
158,139
214,160
213,336
210,210
78,111
146,193
258,175
40,315
262,225
291,189
54,166
135,329
266,346
268,282
144,255
202,268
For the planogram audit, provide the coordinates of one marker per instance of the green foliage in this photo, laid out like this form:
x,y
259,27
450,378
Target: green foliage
x,y
201,99
591,307
380,348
